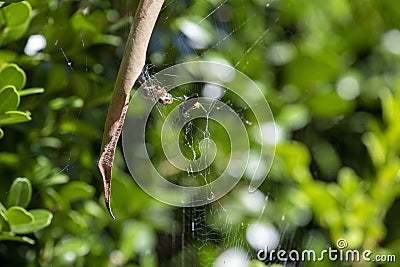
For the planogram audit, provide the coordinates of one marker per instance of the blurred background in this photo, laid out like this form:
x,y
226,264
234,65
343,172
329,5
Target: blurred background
x,y
328,69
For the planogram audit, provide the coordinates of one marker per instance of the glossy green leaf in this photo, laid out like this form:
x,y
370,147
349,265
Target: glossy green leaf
x,y
1,133
11,237
17,14
76,190
23,222
15,20
57,178
31,91
42,219
20,193
53,199
11,117
77,246
9,99
12,74
18,218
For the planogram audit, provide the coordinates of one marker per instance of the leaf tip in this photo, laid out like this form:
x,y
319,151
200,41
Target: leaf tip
x,y
106,174
107,201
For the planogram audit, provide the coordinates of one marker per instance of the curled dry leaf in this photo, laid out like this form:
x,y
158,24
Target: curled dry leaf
x,y
131,66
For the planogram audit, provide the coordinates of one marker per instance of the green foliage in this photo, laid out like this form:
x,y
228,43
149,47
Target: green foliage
x,y
9,97
14,21
17,220
12,82
20,193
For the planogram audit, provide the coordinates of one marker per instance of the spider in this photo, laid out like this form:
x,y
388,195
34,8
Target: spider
x,y
162,96
153,91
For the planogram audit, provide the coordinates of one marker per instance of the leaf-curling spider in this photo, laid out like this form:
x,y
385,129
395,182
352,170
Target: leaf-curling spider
x,y
152,90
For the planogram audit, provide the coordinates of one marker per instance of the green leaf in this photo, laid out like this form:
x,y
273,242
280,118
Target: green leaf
x,y
18,218
330,105
12,237
77,246
16,15
61,102
31,91
76,190
42,219
20,193
23,222
1,133
11,117
3,212
15,21
82,22
135,237
7,56
107,39
294,116
11,74
9,99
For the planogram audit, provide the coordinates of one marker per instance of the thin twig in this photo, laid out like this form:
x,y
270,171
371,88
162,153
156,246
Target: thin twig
x,y
131,66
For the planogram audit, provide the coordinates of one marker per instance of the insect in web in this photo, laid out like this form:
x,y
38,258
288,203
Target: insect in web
x,y
189,103
153,90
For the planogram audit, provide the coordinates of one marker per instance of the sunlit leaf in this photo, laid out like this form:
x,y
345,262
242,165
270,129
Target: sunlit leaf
x,y
17,14
19,218
77,246
11,237
11,74
76,190
9,98
15,21
23,222
11,117
20,193
294,117
42,218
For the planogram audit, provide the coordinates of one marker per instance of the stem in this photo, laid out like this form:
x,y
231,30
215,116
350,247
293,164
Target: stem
x,y
131,66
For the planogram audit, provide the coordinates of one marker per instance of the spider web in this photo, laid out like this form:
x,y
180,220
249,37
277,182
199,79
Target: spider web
x,y
205,228
200,230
